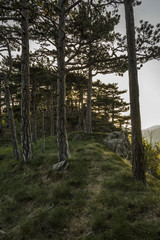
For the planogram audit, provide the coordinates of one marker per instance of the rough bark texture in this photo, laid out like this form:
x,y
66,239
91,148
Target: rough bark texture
x,y
63,150
43,131
34,111
89,105
1,127
113,115
80,120
138,163
27,152
52,130
11,120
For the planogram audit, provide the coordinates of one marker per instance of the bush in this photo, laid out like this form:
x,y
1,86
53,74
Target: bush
x,y
152,157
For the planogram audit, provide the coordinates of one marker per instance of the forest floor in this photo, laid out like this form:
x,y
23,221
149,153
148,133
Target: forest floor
x,y
95,199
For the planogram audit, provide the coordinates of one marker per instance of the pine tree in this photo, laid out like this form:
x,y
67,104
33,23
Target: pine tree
x,y
138,162
27,151
1,126
5,75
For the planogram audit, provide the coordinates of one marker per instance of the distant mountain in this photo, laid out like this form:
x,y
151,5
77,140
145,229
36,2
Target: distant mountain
x,y
153,127
152,134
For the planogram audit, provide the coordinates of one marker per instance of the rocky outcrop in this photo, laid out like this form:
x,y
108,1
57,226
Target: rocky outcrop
x,y
118,142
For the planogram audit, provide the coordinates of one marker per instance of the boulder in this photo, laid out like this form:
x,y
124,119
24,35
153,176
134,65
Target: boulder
x,y
118,142
60,166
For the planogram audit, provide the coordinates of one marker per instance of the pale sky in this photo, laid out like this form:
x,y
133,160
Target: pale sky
x,y
149,75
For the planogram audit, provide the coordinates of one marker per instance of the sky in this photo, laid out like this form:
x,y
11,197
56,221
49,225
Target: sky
x,y
148,75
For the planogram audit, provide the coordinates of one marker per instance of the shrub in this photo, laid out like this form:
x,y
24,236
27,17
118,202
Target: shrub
x,y
152,157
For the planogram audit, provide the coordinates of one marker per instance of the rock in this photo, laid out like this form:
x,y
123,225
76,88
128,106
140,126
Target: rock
x,y
118,142
60,166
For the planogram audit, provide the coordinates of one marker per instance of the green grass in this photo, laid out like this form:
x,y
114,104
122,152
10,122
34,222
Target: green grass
x,y
95,199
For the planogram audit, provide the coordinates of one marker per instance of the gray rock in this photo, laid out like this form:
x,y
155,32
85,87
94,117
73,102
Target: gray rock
x,y
60,166
118,142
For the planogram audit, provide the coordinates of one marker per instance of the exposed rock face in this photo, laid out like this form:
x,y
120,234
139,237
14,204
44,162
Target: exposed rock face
x,y
60,166
118,142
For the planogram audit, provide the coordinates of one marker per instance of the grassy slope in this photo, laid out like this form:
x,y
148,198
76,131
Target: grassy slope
x,y
96,199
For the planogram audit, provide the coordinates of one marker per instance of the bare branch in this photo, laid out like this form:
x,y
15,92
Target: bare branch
x,y
72,6
9,18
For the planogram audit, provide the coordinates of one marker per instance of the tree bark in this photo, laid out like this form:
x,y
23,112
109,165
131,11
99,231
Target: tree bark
x,y
34,111
27,152
11,120
89,104
113,116
138,162
52,130
63,150
42,109
80,120
1,126
43,132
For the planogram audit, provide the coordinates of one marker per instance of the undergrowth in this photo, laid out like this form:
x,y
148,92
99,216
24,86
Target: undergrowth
x,y
38,203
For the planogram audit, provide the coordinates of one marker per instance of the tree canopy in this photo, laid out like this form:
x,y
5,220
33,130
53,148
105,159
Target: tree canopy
x,y
52,85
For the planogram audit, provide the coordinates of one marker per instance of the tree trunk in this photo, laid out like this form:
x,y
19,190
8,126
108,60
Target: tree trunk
x,y
12,100
52,130
43,133
89,105
63,150
138,162
34,111
80,120
27,152
43,130
113,111
11,120
1,126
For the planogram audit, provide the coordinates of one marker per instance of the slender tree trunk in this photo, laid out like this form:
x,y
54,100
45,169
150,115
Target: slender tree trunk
x,y
34,111
138,162
43,133
11,120
113,112
89,104
84,116
43,129
52,130
72,107
63,150
80,120
1,126
27,152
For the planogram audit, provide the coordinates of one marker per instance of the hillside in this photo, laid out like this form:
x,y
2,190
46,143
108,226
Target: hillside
x,y
152,134
95,199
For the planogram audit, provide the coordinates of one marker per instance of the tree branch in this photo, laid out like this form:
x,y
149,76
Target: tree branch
x,y
72,6
9,18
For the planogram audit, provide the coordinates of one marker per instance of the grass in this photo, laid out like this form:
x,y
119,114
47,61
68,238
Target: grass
x,y
96,198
